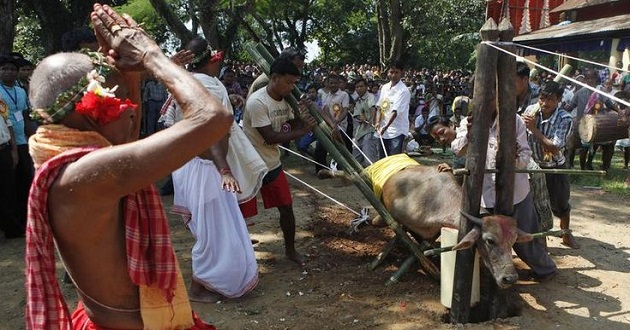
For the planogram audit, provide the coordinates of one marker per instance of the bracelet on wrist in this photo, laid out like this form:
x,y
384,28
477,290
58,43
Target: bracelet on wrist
x,y
225,171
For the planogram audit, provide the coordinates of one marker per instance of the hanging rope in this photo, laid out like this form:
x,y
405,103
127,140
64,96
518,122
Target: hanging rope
x,y
356,146
563,55
593,89
361,217
302,156
380,138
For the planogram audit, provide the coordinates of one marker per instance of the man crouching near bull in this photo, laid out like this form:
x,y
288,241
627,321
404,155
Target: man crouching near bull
x,y
93,195
533,253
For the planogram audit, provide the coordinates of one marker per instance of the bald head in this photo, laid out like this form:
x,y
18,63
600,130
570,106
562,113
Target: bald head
x,y
54,75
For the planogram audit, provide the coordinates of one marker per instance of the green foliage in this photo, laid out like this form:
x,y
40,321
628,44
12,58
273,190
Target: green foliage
x,y
438,33
442,32
28,37
143,12
346,31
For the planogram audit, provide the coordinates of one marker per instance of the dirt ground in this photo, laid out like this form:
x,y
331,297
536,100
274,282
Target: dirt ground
x,y
337,291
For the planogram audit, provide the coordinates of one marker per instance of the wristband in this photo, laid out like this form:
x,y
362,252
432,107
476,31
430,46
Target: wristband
x,y
225,171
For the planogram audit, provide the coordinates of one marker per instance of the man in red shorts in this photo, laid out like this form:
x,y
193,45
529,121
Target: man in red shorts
x,y
268,122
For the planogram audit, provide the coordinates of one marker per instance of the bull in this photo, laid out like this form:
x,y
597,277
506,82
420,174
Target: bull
x,y
424,199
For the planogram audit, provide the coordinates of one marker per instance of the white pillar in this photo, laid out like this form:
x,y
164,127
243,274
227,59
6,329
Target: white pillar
x,y
615,55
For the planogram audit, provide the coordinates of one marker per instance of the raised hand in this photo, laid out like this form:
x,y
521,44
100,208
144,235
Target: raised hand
x,y
183,57
121,39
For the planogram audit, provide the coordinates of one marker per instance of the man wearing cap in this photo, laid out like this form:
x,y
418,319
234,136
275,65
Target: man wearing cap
x,y
292,55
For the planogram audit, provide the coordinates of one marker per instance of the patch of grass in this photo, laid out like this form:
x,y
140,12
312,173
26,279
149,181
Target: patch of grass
x,y
612,182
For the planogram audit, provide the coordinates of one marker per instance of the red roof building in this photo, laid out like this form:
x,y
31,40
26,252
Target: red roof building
x,y
568,26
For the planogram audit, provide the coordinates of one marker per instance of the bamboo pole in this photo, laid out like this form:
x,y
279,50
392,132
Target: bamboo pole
x,y
483,100
381,256
262,57
315,113
404,267
565,71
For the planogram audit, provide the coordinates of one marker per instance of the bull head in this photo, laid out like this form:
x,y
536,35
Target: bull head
x,y
495,235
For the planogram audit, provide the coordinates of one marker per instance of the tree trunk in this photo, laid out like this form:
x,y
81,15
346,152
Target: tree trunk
x,y
390,30
80,10
237,15
174,23
53,19
7,24
384,38
397,31
208,22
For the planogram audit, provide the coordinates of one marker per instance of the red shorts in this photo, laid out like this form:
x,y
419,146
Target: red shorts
x,y
274,194
81,321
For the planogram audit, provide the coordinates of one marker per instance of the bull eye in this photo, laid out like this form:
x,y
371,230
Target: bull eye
x,y
490,241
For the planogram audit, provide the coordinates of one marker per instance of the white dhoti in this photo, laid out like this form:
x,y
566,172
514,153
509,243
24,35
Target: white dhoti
x,y
223,257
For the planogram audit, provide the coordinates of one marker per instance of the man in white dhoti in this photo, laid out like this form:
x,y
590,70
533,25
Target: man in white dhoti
x,y
223,260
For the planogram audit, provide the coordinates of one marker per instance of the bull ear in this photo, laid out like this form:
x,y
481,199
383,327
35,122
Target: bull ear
x,y
523,237
469,240
474,219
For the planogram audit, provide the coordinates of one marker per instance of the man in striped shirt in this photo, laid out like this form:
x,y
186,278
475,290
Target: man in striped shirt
x,y
549,126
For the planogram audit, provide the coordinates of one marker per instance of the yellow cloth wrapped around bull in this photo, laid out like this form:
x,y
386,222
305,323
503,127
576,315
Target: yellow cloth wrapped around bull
x,y
383,169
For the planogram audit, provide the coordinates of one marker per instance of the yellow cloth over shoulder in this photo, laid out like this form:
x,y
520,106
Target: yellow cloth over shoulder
x,y
51,140
380,171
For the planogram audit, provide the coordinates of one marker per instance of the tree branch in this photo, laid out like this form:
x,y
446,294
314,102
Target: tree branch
x,y
174,23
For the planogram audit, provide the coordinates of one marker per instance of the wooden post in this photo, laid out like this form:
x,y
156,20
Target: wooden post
x,y
504,203
349,164
483,101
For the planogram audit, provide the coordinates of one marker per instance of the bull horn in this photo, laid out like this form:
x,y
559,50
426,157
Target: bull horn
x,y
474,219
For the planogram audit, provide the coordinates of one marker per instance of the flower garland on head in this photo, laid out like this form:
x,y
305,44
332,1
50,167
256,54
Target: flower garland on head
x,y
65,102
100,103
215,56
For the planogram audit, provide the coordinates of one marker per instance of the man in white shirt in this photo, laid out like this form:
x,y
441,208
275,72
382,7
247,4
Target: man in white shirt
x,y
393,112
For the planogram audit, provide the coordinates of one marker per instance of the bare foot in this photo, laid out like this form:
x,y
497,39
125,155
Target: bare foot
x,y
569,240
198,293
297,258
